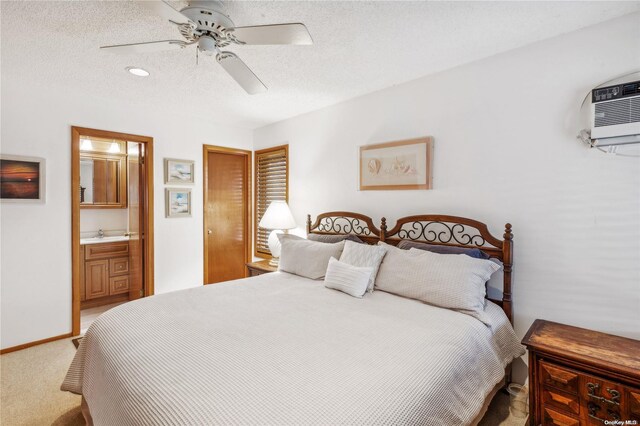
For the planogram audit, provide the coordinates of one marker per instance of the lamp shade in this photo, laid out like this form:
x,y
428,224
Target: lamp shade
x,y
277,216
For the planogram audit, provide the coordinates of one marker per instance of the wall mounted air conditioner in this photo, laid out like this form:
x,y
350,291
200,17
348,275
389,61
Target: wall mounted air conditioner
x,y
615,114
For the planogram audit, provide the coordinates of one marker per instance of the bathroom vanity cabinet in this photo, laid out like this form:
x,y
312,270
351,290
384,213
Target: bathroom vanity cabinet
x,y
104,273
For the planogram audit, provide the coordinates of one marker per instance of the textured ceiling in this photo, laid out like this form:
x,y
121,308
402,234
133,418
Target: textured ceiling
x,y
359,47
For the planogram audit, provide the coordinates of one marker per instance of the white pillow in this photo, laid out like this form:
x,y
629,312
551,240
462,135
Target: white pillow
x,y
364,255
307,258
347,278
283,236
453,281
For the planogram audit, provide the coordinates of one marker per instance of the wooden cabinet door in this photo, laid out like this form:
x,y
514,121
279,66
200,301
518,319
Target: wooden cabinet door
x,y
96,279
112,177
99,181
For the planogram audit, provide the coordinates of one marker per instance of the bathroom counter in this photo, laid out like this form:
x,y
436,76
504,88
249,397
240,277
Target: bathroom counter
x,y
97,240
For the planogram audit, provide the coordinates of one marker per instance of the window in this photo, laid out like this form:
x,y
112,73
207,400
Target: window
x,y
272,184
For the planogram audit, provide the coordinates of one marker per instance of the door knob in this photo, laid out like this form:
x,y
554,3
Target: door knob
x,y
209,231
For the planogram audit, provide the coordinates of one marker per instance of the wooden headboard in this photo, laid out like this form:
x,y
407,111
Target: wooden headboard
x,y
433,229
335,223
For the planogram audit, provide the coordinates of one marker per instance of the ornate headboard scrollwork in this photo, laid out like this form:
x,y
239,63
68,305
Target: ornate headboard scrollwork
x,y
334,223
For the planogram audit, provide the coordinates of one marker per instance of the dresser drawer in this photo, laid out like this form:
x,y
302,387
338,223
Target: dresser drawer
x,y
119,266
633,405
601,395
104,250
551,417
562,400
118,285
597,414
600,390
559,377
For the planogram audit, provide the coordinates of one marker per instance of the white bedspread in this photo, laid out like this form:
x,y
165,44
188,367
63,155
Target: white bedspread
x,y
278,349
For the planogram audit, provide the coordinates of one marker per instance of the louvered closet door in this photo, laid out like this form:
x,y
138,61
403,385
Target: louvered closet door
x,y
271,185
226,216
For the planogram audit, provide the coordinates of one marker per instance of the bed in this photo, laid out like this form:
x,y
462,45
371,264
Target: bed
x,y
279,349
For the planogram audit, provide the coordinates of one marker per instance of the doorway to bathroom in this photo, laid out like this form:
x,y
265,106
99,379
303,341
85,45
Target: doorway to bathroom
x,y
112,221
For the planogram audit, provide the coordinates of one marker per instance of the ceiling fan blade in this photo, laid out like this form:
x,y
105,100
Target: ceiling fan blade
x,y
151,46
162,8
273,34
241,73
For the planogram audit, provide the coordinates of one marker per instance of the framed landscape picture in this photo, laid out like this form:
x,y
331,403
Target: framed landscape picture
x,y
22,179
397,165
178,202
178,171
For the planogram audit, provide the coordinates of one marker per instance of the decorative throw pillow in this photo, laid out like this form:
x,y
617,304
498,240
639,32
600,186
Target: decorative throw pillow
x,y
330,238
307,258
435,248
450,281
347,278
364,255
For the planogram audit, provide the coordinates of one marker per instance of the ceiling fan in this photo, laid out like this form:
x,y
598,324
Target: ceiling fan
x,y
204,24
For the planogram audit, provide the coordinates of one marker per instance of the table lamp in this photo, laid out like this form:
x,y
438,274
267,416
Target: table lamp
x,y
278,217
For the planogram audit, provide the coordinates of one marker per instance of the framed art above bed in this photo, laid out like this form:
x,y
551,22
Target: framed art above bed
x,y
405,164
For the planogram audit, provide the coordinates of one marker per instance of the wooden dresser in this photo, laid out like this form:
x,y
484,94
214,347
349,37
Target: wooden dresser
x,y
582,377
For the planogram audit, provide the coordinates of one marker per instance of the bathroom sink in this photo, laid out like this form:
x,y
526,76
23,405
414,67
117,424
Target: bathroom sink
x,y
98,240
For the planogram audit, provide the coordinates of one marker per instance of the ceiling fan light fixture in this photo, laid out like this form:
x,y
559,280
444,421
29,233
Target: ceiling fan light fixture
x,y
139,72
207,45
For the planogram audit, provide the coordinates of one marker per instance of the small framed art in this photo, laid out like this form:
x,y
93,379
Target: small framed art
x,y
178,202
178,171
22,179
405,164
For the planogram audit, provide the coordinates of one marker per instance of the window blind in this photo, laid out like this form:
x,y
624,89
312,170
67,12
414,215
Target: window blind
x,y
272,184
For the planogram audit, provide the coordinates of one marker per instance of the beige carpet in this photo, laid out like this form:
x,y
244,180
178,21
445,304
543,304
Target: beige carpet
x,y
30,390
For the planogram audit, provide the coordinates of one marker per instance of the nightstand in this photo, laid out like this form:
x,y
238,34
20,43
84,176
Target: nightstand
x,y
260,267
580,377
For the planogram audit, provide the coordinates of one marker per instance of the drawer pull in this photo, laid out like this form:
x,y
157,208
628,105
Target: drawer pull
x,y
593,410
592,390
615,396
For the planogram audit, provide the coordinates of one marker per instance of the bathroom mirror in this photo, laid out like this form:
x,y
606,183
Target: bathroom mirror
x,y
103,181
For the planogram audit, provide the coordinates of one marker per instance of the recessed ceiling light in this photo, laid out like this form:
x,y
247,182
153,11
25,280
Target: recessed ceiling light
x,y
138,71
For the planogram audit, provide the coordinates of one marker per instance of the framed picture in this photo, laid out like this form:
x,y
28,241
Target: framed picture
x,y
178,202
178,171
22,179
403,164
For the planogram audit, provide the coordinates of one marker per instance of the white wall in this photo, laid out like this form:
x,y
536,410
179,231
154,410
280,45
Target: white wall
x,y
35,240
505,151
91,220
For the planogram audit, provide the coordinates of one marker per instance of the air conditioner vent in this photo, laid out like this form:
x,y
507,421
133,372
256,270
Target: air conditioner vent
x,y
621,111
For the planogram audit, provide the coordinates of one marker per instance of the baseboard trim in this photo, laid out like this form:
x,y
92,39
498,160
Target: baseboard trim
x,y
37,342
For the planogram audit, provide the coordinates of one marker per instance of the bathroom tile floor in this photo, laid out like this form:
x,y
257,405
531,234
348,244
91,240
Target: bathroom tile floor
x,y
87,316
